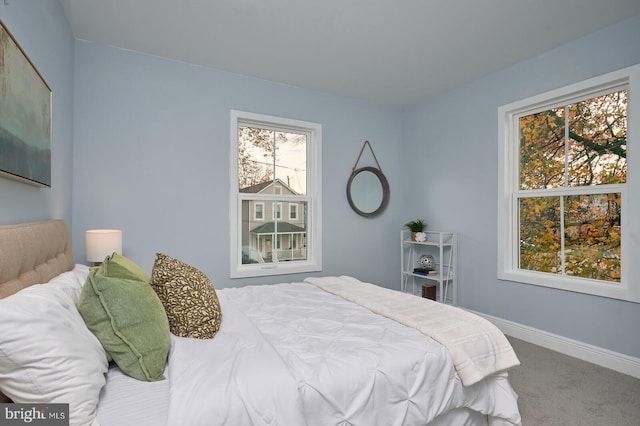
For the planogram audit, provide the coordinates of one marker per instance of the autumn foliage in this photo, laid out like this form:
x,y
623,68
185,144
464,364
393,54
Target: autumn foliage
x,y
570,160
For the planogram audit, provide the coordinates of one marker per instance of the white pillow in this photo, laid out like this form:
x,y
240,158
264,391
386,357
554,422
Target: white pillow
x,y
47,353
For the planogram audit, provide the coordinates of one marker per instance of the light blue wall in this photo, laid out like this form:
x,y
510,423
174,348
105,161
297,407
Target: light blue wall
x,y
455,138
152,158
42,31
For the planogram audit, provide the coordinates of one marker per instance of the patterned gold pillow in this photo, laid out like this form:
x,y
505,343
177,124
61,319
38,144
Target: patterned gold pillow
x,y
188,296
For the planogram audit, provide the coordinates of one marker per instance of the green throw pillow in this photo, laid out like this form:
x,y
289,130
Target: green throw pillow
x,y
118,266
124,313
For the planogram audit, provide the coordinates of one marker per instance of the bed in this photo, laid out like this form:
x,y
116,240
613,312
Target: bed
x,y
326,351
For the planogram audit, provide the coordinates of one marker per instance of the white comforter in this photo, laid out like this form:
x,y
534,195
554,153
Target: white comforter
x,y
477,347
294,355
237,378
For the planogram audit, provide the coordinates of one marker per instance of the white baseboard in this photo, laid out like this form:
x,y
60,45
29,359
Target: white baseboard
x,y
603,357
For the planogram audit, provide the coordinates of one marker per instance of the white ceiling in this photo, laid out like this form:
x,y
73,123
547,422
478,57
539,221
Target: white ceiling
x,y
393,52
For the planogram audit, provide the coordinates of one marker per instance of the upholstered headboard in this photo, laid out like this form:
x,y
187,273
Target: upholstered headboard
x,y
32,253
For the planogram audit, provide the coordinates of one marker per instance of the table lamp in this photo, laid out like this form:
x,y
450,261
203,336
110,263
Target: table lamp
x,y
101,243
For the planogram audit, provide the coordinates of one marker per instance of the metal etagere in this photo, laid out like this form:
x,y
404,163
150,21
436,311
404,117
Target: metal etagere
x,y
440,245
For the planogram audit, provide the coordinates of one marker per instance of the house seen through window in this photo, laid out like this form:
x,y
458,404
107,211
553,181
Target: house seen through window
x,y
276,161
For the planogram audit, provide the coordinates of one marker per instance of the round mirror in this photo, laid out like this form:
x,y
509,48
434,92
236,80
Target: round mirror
x,y
368,191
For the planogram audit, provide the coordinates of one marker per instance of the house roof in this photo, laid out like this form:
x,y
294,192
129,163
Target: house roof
x,y
283,228
257,188
260,187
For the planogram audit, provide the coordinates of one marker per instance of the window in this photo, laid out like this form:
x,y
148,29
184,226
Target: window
x,y
277,211
275,162
564,201
258,211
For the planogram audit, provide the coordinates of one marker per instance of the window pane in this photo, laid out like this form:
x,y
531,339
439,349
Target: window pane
x,y
255,158
266,156
291,161
272,241
542,150
540,237
592,236
597,151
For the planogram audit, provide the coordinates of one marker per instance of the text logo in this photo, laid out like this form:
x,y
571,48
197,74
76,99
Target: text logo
x,y
34,414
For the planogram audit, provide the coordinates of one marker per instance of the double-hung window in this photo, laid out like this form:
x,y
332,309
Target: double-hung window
x,y
277,211
275,164
258,211
568,187
293,211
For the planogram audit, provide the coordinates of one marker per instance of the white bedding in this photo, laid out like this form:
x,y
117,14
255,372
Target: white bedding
x,y
294,354
478,348
126,401
236,378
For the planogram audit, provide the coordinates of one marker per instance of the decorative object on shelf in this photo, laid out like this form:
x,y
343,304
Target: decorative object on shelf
x,y
417,226
426,261
367,188
420,237
25,116
101,243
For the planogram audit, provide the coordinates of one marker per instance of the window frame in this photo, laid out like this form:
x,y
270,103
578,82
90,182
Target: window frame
x,y
509,192
312,198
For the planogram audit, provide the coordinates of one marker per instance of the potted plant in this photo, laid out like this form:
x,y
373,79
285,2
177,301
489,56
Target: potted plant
x,y
416,226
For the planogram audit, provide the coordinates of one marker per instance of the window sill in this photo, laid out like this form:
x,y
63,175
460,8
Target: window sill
x,y
268,269
619,291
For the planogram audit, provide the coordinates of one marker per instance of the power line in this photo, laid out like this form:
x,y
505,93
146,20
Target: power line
x,y
278,165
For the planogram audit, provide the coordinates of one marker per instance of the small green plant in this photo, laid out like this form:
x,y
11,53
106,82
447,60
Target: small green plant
x,y
417,225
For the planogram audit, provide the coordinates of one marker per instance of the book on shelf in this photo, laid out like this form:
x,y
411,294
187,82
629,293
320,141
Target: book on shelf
x,y
423,271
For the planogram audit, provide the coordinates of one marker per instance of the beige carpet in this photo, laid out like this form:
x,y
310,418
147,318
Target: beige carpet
x,y
556,389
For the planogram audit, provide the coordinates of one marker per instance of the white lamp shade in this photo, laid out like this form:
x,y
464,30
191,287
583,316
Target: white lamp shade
x,y
100,243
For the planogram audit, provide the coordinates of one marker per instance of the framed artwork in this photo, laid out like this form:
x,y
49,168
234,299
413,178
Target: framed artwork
x,y
25,116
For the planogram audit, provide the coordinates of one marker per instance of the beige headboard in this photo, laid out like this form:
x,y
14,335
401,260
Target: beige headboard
x,y
33,253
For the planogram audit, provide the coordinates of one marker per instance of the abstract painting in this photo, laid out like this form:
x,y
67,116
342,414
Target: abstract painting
x,y
25,116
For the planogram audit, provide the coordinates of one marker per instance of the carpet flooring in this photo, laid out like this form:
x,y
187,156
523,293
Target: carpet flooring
x,y
558,390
